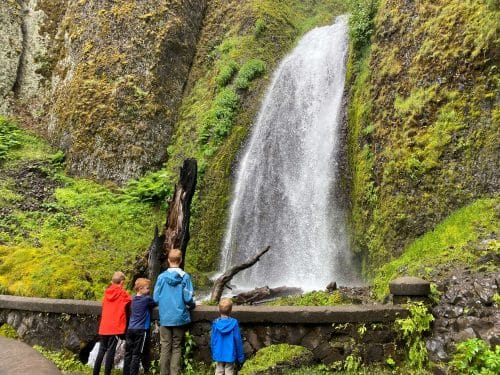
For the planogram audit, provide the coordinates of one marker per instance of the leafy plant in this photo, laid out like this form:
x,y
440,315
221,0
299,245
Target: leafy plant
x,y
6,330
412,329
474,356
252,69
64,361
361,22
9,136
260,27
151,188
226,73
219,119
187,357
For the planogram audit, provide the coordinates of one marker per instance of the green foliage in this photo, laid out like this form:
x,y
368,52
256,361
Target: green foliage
x,y
69,244
187,356
6,330
315,298
270,356
361,22
413,329
226,73
57,159
421,115
64,361
151,188
219,119
474,356
9,136
250,70
260,27
449,241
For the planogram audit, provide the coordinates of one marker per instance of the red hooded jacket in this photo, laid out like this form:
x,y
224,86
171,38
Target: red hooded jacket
x,y
113,316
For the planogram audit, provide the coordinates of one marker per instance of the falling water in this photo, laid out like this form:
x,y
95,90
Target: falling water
x,y
286,181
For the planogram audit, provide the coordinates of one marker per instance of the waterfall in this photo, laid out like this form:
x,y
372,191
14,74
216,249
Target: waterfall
x,y
287,179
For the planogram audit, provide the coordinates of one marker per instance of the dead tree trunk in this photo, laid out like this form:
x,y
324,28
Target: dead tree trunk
x,y
221,282
177,225
175,234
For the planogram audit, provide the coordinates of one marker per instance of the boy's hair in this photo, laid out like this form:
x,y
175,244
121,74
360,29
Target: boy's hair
x,y
225,306
174,256
118,277
141,282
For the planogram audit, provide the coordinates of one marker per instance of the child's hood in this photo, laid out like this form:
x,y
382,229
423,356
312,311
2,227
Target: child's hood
x,y
224,325
114,292
174,276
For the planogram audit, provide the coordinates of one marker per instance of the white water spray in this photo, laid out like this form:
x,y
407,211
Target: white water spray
x,y
286,181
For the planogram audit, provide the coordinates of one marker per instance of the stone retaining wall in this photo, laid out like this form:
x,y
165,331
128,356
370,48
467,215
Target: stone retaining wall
x,y
331,333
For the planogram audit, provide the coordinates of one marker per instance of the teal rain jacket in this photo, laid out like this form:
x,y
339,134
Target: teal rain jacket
x,y
174,294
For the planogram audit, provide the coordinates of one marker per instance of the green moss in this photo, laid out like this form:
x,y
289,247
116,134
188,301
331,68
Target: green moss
x,y
7,330
422,121
272,355
311,299
68,244
449,242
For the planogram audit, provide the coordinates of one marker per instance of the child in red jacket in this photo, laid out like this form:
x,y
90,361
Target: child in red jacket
x,y
113,322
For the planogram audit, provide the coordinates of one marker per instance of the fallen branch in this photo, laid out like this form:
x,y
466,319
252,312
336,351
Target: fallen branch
x,y
222,280
264,294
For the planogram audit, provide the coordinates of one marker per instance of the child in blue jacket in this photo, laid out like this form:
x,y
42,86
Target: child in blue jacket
x,y
174,294
226,342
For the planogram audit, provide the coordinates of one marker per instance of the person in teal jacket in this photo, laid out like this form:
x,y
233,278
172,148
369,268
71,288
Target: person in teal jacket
x,y
226,342
174,294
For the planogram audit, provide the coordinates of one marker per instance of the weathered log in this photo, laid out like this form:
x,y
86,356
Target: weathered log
x,y
265,294
175,233
178,214
156,257
222,280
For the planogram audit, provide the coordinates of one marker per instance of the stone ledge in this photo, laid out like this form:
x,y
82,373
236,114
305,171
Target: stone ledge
x,y
410,286
245,314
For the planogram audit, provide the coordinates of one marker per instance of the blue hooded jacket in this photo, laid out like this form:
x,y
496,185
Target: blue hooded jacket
x,y
226,342
174,294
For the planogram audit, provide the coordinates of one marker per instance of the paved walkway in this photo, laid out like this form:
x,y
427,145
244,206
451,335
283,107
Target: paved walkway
x,y
18,358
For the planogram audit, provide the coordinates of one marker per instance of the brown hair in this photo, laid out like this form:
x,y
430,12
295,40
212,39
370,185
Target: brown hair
x,y
225,306
118,277
141,282
174,257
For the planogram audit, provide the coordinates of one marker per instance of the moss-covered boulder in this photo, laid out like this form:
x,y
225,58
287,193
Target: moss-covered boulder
x,y
120,73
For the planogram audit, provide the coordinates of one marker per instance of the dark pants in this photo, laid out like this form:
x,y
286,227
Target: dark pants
x,y
107,345
134,347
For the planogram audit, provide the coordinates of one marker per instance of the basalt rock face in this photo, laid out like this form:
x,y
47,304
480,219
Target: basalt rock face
x,y
423,122
467,310
107,75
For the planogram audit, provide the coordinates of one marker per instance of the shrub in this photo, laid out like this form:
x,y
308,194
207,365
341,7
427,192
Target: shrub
x,y
226,73
412,329
9,136
219,119
252,69
260,27
474,356
152,188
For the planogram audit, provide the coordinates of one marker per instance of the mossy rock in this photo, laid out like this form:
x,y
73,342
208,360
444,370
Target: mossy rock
x,y
275,359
